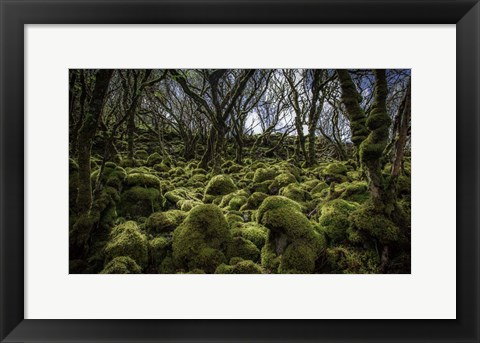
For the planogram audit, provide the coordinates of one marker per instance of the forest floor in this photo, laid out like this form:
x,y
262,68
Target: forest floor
x,y
266,215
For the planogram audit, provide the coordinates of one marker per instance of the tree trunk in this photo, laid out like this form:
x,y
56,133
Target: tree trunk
x,y
85,138
372,148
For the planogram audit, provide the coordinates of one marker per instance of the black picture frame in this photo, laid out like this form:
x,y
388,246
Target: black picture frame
x,y
17,13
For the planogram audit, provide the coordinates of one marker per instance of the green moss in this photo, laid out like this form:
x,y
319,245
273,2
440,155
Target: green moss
x,y
199,171
254,232
298,258
347,260
241,247
140,202
233,219
269,259
334,218
158,248
122,265
161,167
159,222
236,202
275,202
366,219
335,172
154,159
295,192
264,174
319,187
187,205
220,185
167,266
356,191
242,267
201,240
254,201
262,187
127,240
141,154
143,179
280,181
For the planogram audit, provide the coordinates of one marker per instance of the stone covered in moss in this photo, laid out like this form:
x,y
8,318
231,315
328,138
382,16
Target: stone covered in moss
x,y
154,159
241,247
127,240
220,185
254,201
139,201
288,225
334,218
295,192
254,232
159,222
201,240
241,267
280,181
335,172
367,220
264,174
122,265
158,248
347,260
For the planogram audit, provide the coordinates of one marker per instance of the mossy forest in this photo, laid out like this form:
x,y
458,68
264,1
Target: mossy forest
x,y
239,171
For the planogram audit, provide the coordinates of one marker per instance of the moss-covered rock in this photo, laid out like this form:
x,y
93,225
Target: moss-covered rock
x,y
348,260
158,248
242,267
334,218
122,265
368,220
288,226
264,174
201,240
298,258
154,159
220,185
127,240
254,232
254,201
280,181
296,193
241,247
159,222
139,201
335,172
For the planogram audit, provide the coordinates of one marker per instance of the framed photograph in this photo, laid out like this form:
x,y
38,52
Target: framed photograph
x,y
239,171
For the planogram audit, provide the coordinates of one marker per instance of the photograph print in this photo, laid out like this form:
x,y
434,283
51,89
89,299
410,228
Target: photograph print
x,y
239,171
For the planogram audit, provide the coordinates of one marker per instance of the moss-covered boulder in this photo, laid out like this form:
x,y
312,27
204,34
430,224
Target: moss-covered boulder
x,y
255,233
154,159
289,229
137,202
280,181
157,250
160,222
264,174
241,267
366,219
201,241
295,192
348,260
127,240
335,172
334,218
254,201
241,247
122,265
217,186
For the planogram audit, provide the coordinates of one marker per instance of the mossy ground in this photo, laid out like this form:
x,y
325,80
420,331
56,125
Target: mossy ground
x,y
267,215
